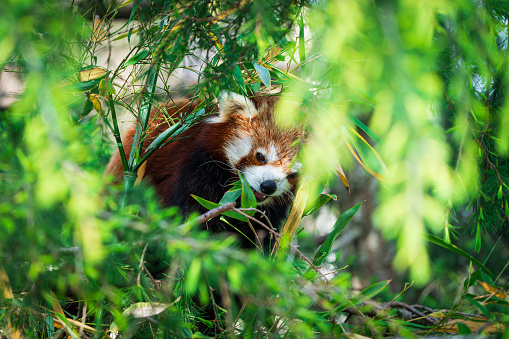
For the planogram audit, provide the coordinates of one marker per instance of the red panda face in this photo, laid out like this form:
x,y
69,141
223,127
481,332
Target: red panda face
x,y
255,146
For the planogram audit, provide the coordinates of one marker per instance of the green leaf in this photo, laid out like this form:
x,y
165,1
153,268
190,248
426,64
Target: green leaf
x,y
50,326
343,220
437,241
368,293
87,108
230,196
263,73
318,203
477,241
366,129
463,329
89,84
237,75
106,87
135,8
193,276
175,129
136,58
480,307
211,205
247,198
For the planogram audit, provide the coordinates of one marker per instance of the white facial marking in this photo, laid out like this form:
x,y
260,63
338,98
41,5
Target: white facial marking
x,y
238,148
255,175
272,154
297,166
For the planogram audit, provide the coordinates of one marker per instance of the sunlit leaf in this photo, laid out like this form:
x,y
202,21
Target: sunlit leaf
x,y
217,42
341,174
140,173
94,99
99,31
5,286
299,204
145,309
66,326
92,73
270,55
379,176
193,276
497,292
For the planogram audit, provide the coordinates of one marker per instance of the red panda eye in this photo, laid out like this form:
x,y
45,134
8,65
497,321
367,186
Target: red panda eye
x,y
261,158
292,176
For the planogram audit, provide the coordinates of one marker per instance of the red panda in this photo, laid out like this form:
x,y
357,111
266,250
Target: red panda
x,y
241,136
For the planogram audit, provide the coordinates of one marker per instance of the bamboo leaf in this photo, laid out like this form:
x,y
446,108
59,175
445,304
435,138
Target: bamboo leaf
x,y
366,130
318,203
163,136
5,286
94,99
66,326
480,307
136,58
497,292
193,276
341,174
368,293
343,220
437,241
270,55
366,150
379,176
230,196
145,309
463,329
237,75
211,205
263,73
92,73
87,85
299,204
247,197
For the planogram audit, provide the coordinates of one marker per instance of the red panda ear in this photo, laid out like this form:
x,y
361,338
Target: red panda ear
x,y
230,103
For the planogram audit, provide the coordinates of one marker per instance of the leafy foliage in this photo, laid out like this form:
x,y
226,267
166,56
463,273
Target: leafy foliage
x,y
80,257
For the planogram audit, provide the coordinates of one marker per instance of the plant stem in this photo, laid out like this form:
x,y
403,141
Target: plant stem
x,y
116,134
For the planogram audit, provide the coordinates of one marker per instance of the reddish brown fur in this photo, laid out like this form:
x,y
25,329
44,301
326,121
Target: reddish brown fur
x,y
164,165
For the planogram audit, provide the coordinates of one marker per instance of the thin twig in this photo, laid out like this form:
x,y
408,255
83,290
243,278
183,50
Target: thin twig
x,y
215,212
155,283
413,310
141,264
214,308
83,318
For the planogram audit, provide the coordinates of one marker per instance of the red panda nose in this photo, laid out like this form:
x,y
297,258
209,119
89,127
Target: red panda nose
x,y
268,187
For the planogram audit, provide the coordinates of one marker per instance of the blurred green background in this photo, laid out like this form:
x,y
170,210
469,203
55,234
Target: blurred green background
x,y
408,97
